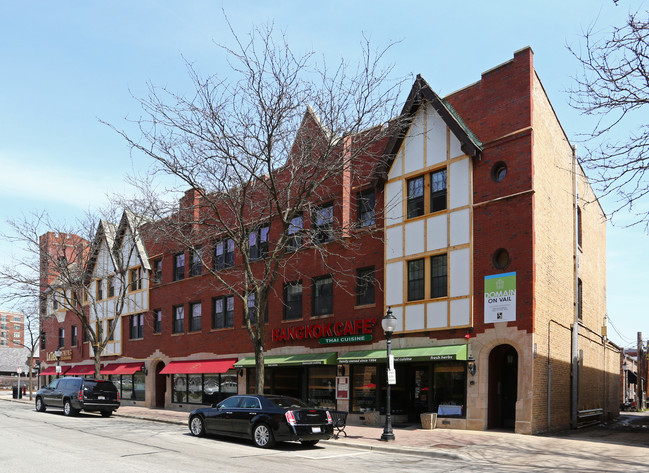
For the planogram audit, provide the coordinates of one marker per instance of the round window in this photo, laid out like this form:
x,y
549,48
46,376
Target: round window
x,y
499,171
501,258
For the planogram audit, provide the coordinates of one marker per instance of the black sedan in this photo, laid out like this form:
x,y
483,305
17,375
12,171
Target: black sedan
x,y
265,419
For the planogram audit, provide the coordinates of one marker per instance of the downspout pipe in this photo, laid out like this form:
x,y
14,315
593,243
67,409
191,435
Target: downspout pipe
x,y
575,324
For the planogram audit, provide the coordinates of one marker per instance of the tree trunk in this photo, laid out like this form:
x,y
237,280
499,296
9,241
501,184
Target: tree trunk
x,y
259,372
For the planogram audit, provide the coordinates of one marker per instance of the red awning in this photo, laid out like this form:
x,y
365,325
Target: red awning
x,y
52,370
199,366
122,368
81,370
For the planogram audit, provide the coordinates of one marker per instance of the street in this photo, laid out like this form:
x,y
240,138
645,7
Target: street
x,y
51,442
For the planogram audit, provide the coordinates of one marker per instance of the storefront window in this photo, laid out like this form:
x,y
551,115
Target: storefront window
x,y
450,387
138,386
179,387
250,381
363,388
211,389
195,388
117,381
127,387
322,386
229,384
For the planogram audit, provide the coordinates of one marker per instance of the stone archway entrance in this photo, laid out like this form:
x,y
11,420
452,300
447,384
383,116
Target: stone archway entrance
x,y
160,385
503,387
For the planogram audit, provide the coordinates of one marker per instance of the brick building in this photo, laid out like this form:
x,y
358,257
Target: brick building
x,y
477,229
12,329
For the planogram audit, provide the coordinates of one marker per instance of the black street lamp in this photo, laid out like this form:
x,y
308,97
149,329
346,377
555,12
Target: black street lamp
x,y
389,324
57,354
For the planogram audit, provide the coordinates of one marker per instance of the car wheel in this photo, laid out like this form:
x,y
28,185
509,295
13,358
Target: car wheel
x,y
196,426
106,413
40,406
68,410
263,436
309,443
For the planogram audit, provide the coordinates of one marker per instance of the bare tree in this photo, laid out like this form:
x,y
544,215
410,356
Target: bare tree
x,y
262,151
613,86
57,266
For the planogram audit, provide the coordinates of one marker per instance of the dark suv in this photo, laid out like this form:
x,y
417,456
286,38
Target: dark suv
x,y
76,394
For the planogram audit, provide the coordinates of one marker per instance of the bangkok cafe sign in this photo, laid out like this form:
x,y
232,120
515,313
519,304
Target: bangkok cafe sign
x,y
358,330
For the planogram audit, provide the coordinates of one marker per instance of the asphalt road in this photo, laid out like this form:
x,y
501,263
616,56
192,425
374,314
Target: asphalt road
x,y
50,442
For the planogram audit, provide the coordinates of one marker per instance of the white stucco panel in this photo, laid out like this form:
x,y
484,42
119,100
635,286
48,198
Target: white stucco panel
x,y
393,203
437,233
394,242
394,283
460,272
413,144
415,237
460,312
460,227
455,145
415,317
397,165
435,138
459,180
437,314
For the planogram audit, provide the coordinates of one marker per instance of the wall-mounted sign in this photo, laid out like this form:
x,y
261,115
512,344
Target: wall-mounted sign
x,y
500,298
342,387
325,330
345,339
65,355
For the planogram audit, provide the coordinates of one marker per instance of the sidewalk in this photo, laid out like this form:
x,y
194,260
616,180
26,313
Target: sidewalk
x,y
624,443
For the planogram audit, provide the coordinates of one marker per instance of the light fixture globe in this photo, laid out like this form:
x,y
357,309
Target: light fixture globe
x,y
389,322
57,354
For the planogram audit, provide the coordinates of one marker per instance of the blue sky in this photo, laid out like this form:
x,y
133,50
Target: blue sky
x,y
65,65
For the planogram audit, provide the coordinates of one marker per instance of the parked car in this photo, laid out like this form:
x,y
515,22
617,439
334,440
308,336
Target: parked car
x,y
76,394
264,419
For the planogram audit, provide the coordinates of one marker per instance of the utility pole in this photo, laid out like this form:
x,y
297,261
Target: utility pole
x,y
641,363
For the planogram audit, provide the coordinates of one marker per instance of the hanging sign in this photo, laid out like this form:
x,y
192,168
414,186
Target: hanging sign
x,y
500,298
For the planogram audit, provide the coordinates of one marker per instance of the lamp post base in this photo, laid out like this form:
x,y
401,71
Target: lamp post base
x,y
387,436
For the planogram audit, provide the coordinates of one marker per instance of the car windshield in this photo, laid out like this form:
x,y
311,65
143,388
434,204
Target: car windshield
x,y
288,402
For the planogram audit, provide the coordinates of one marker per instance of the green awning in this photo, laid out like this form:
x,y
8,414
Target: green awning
x,y
291,360
448,352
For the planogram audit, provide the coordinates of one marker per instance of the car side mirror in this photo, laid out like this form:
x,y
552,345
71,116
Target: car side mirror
x,y
215,406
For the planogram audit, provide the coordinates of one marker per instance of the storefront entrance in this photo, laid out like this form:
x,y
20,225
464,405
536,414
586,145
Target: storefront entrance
x,y
160,385
503,387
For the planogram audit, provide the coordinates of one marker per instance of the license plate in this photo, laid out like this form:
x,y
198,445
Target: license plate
x,y
316,430
101,398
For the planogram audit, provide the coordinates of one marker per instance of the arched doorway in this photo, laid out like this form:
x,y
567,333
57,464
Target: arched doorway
x,y
160,385
503,387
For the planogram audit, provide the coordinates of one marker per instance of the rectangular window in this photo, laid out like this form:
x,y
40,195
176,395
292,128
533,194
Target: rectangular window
x,y
416,197
323,224
258,243
157,271
73,341
137,326
223,316
323,296
179,319
61,337
293,300
416,274
579,232
179,266
196,263
295,228
55,301
365,286
438,191
43,341
100,289
111,286
579,299
109,326
224,254
136,279
438,276
366,213
195,317
157,321
252,308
